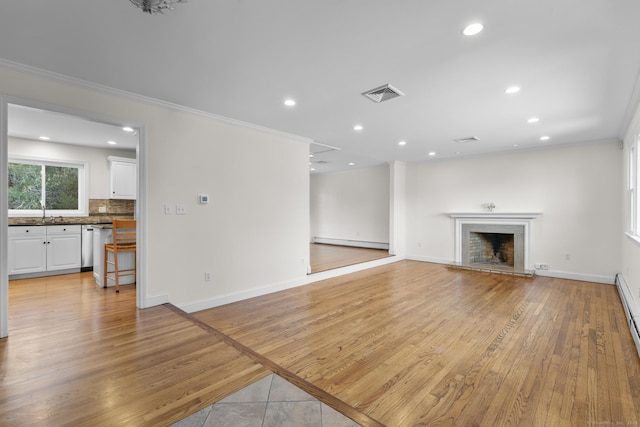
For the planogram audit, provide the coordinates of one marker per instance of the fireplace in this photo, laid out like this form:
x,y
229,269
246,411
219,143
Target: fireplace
x,y
493,241
498,245
491,248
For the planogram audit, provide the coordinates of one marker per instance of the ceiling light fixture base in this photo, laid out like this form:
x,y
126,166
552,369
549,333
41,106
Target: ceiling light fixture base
x,y
155,6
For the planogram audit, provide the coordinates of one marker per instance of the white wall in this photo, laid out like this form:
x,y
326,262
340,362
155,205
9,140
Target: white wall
x,y
351,205
575,187
630,247
254,232
95,157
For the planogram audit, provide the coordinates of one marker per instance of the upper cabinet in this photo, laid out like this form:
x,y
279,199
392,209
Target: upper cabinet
x,y
123,177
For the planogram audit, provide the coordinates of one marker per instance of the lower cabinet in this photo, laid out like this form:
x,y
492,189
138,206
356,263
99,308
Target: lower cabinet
x,y
37,249
64,247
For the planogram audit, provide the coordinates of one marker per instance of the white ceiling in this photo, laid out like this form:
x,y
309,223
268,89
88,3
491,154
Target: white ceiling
x,y
34,123
577,62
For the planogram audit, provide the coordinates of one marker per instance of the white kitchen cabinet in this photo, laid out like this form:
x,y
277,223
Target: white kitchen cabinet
x,y
123,173
27,249
63,247
43,249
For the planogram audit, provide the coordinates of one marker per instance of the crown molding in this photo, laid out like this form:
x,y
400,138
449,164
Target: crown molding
x,y
39,72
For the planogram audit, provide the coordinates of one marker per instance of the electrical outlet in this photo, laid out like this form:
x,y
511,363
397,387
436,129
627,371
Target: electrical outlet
x,y
541,266
207,276
102,209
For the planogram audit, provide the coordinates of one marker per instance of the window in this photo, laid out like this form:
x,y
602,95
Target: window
x,y
38,187
632,189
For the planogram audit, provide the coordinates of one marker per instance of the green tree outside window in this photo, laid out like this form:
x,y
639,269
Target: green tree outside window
x,y
31,185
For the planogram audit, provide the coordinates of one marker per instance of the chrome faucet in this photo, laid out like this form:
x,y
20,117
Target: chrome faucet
x,y
44,212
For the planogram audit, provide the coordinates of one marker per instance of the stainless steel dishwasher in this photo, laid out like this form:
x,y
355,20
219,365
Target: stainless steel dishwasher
x,y
87,248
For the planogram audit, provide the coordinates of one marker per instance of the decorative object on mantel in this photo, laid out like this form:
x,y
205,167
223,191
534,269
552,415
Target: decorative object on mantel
x,y
489,206
155,6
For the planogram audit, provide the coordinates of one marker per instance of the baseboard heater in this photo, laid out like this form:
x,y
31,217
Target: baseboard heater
x,y
355,243
631,310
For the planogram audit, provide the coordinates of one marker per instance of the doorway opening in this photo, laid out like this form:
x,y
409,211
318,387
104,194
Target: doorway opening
x,y
34,133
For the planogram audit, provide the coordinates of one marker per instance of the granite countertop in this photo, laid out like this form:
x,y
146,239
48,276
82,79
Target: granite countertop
x,y
103,226
93,220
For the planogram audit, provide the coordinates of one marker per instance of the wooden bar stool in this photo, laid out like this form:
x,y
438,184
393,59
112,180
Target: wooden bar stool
x,y
124,240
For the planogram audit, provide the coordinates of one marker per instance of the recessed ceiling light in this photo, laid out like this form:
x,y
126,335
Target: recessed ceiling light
x,y
512,89
533,120
111,142
402,143
457,153
313,169
545,138
44,138
432,153
351,164
127,129
472,29
289,102
515,145
358,127
310,155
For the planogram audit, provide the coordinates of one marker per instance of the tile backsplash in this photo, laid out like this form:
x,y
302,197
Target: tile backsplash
x,y
111,207
101,211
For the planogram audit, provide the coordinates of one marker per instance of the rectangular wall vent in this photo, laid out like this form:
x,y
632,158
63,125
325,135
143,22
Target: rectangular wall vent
x,y
382,93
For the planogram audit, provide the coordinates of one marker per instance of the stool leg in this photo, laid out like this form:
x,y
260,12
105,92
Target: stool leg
x,y
117,275
105,273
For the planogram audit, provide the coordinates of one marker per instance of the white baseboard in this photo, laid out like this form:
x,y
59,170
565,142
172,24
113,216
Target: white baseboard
x,y
152,301
355,243
206,303
608,280
631,309
429,259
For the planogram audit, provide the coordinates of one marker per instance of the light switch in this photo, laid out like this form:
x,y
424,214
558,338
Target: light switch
x,y
167,209
181,209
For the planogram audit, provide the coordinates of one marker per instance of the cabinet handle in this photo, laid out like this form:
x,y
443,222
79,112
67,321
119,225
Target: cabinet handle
x,y
27,231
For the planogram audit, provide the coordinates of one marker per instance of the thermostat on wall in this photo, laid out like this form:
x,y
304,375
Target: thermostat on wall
x,y
203,199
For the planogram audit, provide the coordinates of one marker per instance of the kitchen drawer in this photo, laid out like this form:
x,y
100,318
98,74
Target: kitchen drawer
x,y
27,230
63,229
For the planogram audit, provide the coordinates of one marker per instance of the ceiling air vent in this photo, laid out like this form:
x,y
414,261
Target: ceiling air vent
x,y
382,93
468,139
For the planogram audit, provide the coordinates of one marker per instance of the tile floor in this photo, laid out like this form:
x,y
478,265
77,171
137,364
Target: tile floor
x,y
269,402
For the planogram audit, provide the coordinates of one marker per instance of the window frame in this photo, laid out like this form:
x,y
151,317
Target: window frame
x,y
83,171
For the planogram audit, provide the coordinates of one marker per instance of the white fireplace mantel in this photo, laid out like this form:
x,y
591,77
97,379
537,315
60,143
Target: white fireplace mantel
x,y
523,219
496,215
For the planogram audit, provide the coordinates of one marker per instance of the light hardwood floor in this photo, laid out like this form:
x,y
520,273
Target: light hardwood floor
x,y
418,344
79,355
328,257
406,344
